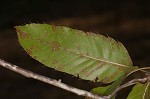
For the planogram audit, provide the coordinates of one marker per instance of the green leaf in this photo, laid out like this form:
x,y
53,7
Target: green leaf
x,y
140,91
87,55
107,90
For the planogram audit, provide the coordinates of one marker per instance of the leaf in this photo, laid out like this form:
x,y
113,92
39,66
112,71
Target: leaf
x,y
107,90
140,91
87,55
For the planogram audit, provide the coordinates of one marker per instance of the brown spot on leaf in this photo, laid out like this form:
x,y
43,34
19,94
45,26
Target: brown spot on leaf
x,y
46,34
87,53
22,34
81,56
34,47
78,33
54,61
29,51
86,73
112,76
34,57
47,43
60,67
54,28
55,45
89,33
78,47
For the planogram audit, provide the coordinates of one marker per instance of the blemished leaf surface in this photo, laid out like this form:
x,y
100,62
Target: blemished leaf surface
x,y
86,55
140,91
107,90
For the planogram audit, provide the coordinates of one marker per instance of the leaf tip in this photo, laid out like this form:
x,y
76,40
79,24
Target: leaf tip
x,y
21,33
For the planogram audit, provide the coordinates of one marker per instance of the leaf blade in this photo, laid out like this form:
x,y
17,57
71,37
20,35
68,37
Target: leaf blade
x,y
86,55
140,91
107,90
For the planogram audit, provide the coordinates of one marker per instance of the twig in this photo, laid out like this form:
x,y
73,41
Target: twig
x,y
139,69
132,82
56,83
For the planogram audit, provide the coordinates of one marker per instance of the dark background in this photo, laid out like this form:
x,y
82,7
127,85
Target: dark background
x,y
127,21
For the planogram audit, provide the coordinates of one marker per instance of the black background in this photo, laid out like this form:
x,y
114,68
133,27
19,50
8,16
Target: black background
x,y
125,20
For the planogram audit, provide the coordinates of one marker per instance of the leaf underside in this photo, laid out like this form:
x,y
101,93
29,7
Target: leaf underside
x,y
86,55
140,91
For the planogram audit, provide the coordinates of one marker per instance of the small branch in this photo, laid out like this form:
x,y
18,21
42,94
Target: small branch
x,y
139,69
132,82
50,81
